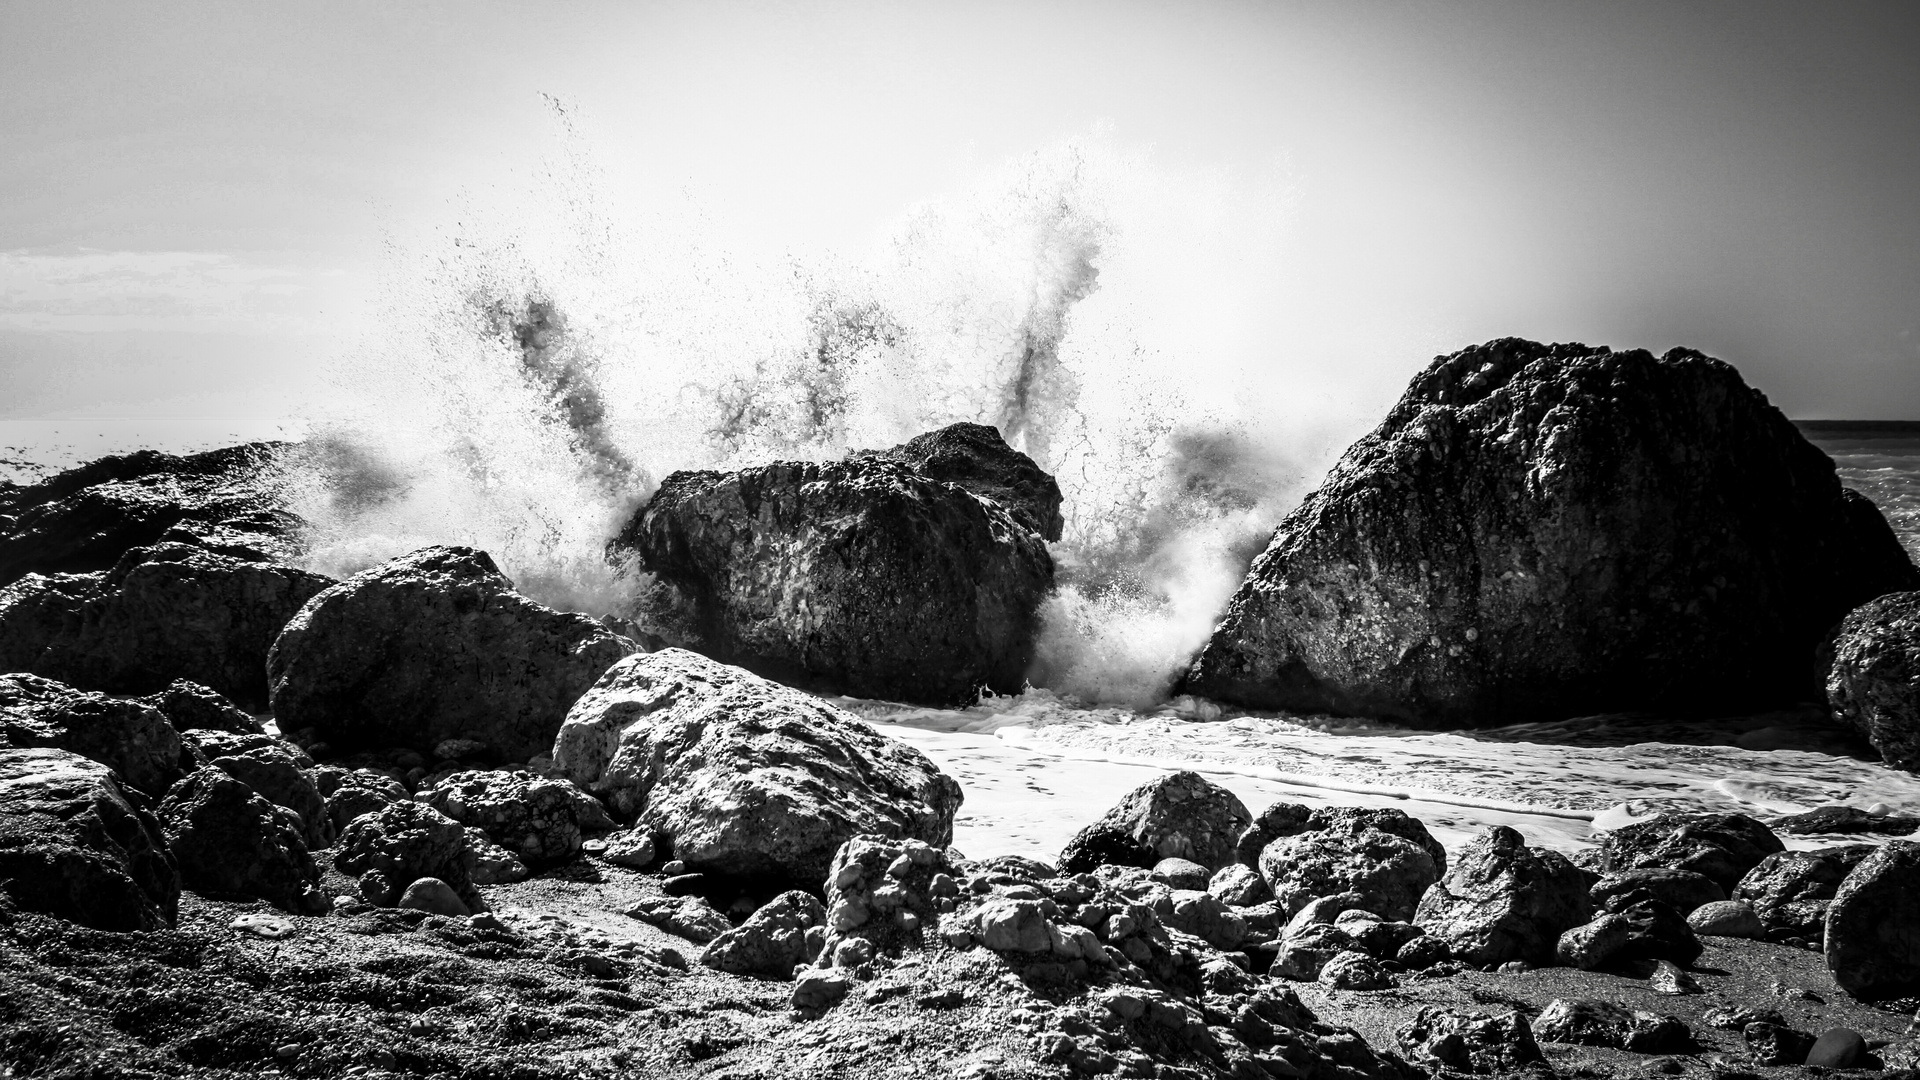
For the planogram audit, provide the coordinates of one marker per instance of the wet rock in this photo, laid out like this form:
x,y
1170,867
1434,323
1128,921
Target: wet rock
x,y
735,774
392,848
542,821
1681,890
75,845
1383,856
274,773
865,577
1874,683
189,706
1239,885
129,737
975,457
229,840
690,917
1354,971
1873,925
1727,918
435,897
1771,1044
1720,847
1502,901
1846,820
773,940
432,646
1542,531
1837,1048
1469,1042
1182,874
1181,815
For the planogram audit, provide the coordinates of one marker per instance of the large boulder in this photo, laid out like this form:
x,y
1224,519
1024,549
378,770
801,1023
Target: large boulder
x,y
130,737
1873,925
1383,857
1502,901
864,577
73,844
1719,847
433,646
1181,815
1681,890
975,457
229,840
1874,683
1791,890
739,775
543,821
1540,531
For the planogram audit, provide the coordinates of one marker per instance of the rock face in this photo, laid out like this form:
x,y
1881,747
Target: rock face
x,y
1719,847
1873,925
1875,679
1543,531
1502,901
129,737
1182,815
1385,858
739,775
865,577
227,839
432,646
74,845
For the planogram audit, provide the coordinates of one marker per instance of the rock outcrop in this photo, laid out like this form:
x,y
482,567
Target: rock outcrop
x,y
188,706
433,646
1874,683
130,737
74,845
741,776
1181,815
1873,925
229,840
1503,901
866,577
1539,531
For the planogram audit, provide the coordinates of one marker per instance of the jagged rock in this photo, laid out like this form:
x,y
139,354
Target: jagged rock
x,y
129,737
1874,683
1681,890
1379,938
1181,815
354,794
1239,885
394,847
1790,890
227,839
275,774
820,988
542,821
1737,1017
1469,1042
1721,847
1644,930
432,646
1383,856
884,895
1354,971
1182,874
1667,978
690,917
1586,1022
38,609
1873,925
74,845
1592,945
773,940
1302,955
1280,819
633,848
1205,917
188,706
975,457
864,577
1502,901
1846,819
738,775
490,864
1772,1044
1727,918
435,897
1537,531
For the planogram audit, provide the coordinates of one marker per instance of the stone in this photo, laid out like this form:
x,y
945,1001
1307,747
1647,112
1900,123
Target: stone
x,y
1873,925
1669,979
431,646
1301,956
864,577
1727,918
1737,1017
734,774
274,773
1469,1042
392,848
1837,1048
1277,820
1720,847
1422,953
820,988
1874,683
189,706
129,737
1182,873
76,845
490,864
1656,932
1383,856
772,941
975,457
1771,1044
543,821
1543,531
1846,820
1180,815
1377,937
1583,1022
1502,901
1595,944
1681,890
1790,890
1204,916
436,897
1354,970
1652,1033
1239,885
352,794
690,917
633,848
227,839
1005,925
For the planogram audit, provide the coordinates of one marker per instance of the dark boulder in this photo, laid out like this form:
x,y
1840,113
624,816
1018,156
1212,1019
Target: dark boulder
x,y
738,775
1774,1044
1720,847
130,737
1539,531
276,773
1790,890
863,577
37,610
1873,925
975,457
1874,683
1846,820
229,840
1383,857
1180,815
1639,931
398,845
1681,890
188,706
75,845
1588,1022
433,646
542,821
1443,1039
1501,901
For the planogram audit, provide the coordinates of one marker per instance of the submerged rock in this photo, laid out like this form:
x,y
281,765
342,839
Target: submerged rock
x,y
734,774
1873,925
1502,901
1543,531
1874,683
432,646
1181,815
130,737
74,845
865,577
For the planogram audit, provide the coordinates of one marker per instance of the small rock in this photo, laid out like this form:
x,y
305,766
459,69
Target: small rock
x,y
1239,885
1727,918
260,924
435,896
1354,971
1182,873
821,988
1668,979
1838,1048
673,867
458,749
1772,1044
1737,1017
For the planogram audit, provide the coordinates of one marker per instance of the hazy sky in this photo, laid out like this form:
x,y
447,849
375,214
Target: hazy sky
x,y
196,199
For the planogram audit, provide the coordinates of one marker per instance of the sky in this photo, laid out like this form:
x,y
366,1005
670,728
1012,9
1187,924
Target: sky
x,y
201,203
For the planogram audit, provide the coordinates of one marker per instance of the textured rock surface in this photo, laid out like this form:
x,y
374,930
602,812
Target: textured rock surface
x,y
865,577
1873,925
74,845
1385,858
392,848
356,793
188,706
1681,890
1874,683
1720,847
1790,890
1726,918
227,839
1502,901
543,821
129,737
1181,815
773,940
738,775
1469,1042
975,457
1541,531
432,646
275,773
691,917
